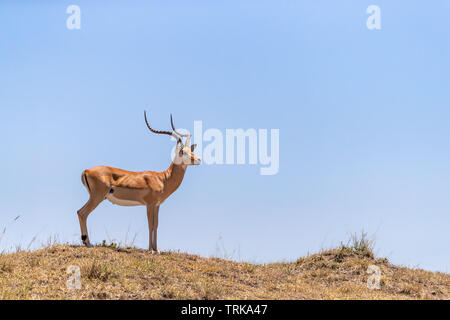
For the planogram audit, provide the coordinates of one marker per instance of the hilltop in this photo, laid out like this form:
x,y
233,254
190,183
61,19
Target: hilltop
x,y
108,272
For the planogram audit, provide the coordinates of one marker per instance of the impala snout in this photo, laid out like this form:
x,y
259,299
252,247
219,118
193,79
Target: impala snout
x,y
196,161
192,159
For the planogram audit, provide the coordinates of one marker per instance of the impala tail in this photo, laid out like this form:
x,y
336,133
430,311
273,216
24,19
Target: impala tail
x,y
85,181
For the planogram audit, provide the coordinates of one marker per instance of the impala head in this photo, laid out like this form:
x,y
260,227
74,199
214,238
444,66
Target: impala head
x,y
184,152
185,155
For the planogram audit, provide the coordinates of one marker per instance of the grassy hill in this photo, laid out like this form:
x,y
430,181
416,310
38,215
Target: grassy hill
x,y
116,273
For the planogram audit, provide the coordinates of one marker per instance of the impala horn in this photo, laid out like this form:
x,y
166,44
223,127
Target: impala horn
x,y
172,134
187,135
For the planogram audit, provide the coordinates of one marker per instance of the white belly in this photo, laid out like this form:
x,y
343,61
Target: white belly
x,y
120,202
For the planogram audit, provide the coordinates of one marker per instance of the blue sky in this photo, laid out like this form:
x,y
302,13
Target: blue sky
x,y
363,118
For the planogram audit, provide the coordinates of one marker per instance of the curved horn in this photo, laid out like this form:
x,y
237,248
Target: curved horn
x,y
187,135
160,132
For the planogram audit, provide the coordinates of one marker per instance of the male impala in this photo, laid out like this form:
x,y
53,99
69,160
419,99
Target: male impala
x,y
147,188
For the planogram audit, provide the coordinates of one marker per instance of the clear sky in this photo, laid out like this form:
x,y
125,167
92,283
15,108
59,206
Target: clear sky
x,y
363,118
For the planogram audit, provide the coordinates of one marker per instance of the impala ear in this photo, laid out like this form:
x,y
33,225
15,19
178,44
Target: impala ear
x,y
179,144
193,147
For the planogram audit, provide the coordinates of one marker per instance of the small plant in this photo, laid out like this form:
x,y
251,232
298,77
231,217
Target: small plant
x,y
222,252
110,245
5,266
99,272
359,244
34,262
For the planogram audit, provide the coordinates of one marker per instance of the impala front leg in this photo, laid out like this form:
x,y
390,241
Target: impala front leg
x,y
155,228
150,211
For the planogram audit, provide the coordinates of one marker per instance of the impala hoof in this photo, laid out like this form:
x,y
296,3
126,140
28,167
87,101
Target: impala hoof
x,y
85,241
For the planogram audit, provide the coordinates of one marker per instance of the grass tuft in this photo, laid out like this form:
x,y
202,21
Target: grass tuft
x,y
96,271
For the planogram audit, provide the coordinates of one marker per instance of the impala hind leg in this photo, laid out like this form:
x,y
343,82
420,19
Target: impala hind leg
x,y
84,212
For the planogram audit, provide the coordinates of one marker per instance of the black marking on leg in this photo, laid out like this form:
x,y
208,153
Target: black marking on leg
x,y
87,183
84,237
111,190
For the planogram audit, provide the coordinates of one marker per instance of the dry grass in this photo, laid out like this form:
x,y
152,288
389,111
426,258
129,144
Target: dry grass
x,y
115,273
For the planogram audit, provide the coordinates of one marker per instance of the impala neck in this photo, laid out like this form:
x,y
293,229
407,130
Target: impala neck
x,y
174,176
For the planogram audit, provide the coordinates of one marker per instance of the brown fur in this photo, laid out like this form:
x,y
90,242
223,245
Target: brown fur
x,y
124,187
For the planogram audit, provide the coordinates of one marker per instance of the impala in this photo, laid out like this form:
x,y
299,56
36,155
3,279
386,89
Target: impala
x,y
147,188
